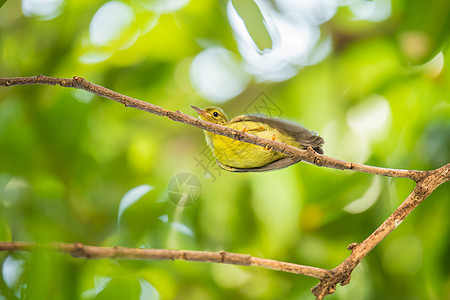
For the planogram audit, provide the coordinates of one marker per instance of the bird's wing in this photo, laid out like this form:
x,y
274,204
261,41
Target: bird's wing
x,y
279,164
303,136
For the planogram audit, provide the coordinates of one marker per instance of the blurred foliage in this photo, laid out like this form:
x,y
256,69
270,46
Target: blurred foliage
x,y
68,158
254,21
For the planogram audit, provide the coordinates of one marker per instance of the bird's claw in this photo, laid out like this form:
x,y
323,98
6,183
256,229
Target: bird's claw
x,y
267,147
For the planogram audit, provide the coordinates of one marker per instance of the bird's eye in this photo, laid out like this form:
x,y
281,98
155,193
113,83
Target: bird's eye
x,y
215,114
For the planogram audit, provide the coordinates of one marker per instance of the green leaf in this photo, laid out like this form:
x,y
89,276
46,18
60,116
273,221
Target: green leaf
x,y
2,2
255,23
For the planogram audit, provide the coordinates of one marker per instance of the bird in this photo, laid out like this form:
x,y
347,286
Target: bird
x,y
236,156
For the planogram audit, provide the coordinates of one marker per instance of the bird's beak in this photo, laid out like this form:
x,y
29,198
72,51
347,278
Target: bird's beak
x,y
201,111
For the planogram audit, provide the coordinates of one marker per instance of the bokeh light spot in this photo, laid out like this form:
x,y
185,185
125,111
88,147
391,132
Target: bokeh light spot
x,y
367,200
371,117
45,9
109,22
292,45
375,10
166,6
415,44
11,270
216,75
313,12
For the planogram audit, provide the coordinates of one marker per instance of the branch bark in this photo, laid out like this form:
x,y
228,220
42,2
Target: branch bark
x,y
426,183
306,155
342,273
221,257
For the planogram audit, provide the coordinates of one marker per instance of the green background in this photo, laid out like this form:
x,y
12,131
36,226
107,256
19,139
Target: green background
x,y
67,159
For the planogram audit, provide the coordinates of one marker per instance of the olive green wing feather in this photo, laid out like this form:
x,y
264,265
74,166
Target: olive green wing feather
x,y
303,136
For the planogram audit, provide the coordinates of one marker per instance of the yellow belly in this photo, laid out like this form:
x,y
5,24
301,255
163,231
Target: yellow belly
x,y
242,155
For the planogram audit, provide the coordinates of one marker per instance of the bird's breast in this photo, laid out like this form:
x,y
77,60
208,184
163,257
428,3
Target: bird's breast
x,y
243,155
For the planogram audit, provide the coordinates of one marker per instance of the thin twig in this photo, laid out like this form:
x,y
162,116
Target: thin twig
x,y
309,156
427,182
221,257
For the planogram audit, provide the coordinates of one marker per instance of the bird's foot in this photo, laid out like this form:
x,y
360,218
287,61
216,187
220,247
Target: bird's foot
x,y
267,147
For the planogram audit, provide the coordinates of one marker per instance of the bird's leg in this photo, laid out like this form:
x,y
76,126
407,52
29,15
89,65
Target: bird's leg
x,y
258,128
245,129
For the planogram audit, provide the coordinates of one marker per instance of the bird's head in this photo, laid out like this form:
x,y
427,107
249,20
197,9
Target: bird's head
x,y
212,114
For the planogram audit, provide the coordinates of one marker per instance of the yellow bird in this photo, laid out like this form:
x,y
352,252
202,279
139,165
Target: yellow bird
x,y
236,156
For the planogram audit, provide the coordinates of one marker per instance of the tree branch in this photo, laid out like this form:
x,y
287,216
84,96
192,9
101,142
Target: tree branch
x,y
426,183
221,257
342,273
306,155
